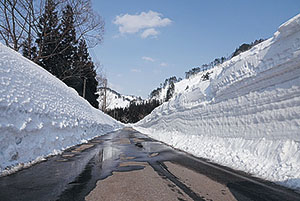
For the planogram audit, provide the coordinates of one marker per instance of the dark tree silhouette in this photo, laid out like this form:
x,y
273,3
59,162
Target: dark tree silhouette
x,y
48,39
135,111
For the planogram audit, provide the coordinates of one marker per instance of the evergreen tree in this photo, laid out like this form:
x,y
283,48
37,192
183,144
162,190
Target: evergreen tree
x,y
135,111
25,49
28,50
170,91
48,39
67,48
244,47
60,54
86,81
155,93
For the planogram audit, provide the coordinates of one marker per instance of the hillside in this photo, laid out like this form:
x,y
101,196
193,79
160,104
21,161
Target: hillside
x,y
174,86
40,115
246,115
115,99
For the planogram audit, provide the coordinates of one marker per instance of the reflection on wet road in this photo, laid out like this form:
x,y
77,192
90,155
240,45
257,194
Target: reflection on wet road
x,y
79,172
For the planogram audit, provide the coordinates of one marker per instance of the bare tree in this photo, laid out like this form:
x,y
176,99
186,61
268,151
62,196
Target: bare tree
x,y
13,27
88,24
20,19
102,89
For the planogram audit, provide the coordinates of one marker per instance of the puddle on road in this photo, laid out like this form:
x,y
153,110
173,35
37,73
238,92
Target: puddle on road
x,y
120,153
83,147
47,180
68,155
153,155
126,164
74,173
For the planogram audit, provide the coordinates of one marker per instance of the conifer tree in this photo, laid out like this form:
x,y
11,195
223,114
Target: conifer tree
x,y
28,50
25,50
87,79
170,91
67,48
48,39
61,55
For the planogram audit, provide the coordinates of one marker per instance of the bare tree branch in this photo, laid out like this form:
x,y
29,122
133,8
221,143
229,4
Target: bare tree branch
x,y
21,19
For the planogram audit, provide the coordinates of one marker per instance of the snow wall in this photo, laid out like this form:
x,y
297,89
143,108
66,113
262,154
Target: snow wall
x,y
40,115
246,116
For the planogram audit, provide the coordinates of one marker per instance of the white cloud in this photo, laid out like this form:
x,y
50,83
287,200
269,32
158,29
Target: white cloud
x,y
163,64
148,59
146,22
149,32
135,70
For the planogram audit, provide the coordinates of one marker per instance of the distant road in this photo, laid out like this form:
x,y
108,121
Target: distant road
x,y
127,165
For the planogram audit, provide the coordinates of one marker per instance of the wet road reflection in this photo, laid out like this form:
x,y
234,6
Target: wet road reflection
x,y
71,175
74,173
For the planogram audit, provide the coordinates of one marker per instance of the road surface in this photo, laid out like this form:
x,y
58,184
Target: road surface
x,y
127,165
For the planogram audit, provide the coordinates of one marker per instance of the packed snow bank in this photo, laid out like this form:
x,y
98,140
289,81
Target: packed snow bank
x,y
39,114
246,116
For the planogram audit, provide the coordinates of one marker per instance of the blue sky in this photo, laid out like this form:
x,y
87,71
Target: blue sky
x,y
147,41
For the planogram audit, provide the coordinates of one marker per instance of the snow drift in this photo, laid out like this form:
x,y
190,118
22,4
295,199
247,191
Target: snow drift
x,y
39,114
246,116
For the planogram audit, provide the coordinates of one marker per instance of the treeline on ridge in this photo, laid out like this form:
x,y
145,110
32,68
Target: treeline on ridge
x,y
170,82
135,111
242,48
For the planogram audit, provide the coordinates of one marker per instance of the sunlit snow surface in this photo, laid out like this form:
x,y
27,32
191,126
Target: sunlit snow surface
x,y
116,100
39,114
247,116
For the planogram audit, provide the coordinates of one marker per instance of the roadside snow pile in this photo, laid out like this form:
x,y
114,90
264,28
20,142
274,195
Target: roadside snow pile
x,y
246,116
39,114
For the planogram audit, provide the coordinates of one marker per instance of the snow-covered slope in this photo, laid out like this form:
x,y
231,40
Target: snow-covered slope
x,y
39,114
246,116
180,86
115,99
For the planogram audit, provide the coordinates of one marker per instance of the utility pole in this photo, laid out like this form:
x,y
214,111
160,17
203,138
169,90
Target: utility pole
x,y
84,86
104,98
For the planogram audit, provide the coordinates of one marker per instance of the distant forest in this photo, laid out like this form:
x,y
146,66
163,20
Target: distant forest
x,y
137,111
195,70
242,48
134,112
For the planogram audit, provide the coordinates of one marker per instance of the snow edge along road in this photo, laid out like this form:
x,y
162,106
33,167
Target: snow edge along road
x,y
246,116
40,115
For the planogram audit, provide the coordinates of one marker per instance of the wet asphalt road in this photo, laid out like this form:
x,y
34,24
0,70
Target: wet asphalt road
x,y
74,174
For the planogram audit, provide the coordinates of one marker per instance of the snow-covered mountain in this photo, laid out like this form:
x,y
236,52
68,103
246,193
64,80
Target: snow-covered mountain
x,y
181,86
39,114
115,99
246,115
